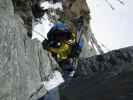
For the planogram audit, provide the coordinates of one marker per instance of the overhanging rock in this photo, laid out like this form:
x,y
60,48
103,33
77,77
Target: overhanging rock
x,y
102,77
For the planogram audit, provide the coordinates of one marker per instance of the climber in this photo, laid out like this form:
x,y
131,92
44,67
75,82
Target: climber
x,y
63,46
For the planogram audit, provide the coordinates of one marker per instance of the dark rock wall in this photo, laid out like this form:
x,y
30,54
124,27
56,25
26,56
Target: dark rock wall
x,y
103,77
74,9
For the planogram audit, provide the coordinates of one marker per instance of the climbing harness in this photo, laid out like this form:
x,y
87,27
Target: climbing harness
x,y
78,45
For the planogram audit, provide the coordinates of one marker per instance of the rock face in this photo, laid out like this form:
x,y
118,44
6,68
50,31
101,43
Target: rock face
x,y
102,77
23,8
72,10
23,62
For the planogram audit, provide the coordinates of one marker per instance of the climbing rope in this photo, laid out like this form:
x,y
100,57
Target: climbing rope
x,y
94,42
38,33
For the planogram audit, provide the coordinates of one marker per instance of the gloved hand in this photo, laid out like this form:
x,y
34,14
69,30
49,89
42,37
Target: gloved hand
x,y
45,44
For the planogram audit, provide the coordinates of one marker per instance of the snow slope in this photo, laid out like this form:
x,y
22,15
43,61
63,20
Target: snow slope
x,y
113,28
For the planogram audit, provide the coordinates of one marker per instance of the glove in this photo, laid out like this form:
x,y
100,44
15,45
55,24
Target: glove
x,y
45,44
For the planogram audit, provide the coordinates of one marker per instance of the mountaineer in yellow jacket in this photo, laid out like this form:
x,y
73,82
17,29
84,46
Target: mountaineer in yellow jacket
x,y
63,45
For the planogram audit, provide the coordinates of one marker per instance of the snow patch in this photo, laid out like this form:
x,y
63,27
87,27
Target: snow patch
x,y
54,82
40,30
47,5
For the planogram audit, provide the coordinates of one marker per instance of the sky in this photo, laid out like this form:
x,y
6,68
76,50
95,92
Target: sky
x,y
113,28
